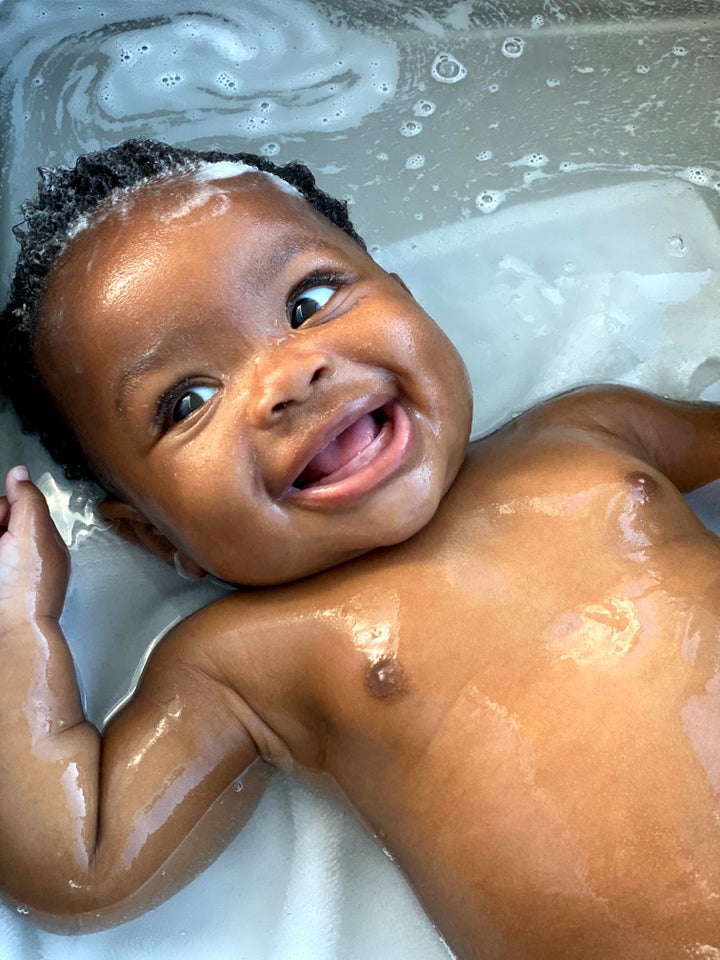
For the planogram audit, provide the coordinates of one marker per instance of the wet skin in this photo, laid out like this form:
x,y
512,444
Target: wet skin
x,y
513,675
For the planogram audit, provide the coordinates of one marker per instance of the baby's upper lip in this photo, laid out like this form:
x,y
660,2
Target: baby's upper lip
x,y
350,413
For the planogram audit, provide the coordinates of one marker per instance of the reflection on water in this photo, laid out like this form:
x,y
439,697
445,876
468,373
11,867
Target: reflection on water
x,y
501,100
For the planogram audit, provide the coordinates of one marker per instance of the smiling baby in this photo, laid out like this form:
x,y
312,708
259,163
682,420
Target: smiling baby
x,y
505,654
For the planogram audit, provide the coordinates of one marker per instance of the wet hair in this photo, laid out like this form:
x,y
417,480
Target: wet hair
x,y
66,196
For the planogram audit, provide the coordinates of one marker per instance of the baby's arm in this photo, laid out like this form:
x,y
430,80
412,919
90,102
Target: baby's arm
x,y
87,821
680,439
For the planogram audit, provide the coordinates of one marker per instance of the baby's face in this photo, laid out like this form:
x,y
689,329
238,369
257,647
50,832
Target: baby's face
x,y
246,377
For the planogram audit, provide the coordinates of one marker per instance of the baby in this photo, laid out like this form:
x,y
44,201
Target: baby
x,y
505,655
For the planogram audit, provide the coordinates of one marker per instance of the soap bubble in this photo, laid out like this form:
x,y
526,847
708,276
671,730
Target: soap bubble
x,y
698,175
675,246
512,47
489,200
411,128
424,108
447,69
226,80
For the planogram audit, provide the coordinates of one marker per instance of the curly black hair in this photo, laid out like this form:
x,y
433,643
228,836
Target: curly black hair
x,y
65,195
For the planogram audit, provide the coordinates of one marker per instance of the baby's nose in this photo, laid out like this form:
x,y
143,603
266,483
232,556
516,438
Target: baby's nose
x,y
285,376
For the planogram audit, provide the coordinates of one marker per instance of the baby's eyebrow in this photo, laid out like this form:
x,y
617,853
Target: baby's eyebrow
x,y
285,252
155,356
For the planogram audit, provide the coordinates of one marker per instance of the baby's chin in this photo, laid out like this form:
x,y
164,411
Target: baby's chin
x,y
281,569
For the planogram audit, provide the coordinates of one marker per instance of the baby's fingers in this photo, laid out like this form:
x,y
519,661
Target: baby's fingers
x,y
33,557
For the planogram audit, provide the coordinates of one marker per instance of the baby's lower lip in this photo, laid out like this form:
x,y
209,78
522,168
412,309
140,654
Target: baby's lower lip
x,y
366,469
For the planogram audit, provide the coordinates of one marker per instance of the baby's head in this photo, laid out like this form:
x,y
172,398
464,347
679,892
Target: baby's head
x,y
206,335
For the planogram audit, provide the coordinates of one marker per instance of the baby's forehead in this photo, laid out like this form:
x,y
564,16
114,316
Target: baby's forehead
x,y
178,193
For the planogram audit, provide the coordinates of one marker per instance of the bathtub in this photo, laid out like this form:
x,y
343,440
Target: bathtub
x,y
546,178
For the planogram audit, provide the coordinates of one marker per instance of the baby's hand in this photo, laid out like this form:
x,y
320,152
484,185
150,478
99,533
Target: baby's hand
x,y
34,562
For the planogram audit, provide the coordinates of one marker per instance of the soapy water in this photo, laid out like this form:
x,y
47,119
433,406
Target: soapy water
x,y
545,98
568,201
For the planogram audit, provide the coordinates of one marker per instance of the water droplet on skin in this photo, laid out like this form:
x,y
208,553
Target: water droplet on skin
x,y
447,69
512,47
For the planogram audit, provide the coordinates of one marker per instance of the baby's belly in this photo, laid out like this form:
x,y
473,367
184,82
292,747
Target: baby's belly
x,y
536,788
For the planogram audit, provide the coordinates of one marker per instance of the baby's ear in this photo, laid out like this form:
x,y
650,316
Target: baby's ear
x,y
131,525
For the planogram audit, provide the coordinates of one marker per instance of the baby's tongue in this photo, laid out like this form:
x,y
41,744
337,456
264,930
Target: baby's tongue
x,y
340,451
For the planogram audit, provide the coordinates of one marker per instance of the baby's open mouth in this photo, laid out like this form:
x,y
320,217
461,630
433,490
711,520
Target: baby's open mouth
x,y
347,451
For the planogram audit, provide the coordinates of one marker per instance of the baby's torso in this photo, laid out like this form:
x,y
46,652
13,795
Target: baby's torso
x,y
522,703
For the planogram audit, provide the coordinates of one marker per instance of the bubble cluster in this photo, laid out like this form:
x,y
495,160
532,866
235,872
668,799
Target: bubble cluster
x,y
552,82
424,108
535,160
411,128
537,21
170,79
186,67
489,200
415,161
567,166
679,50
512,47
226,80
698,175
447,69
484,155
642,68
270,149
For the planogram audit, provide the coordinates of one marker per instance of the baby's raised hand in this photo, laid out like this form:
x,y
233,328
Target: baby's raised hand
x,y
34,563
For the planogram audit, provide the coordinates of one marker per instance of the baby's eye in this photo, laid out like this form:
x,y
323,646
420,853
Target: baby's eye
x,y
303,306
190,400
